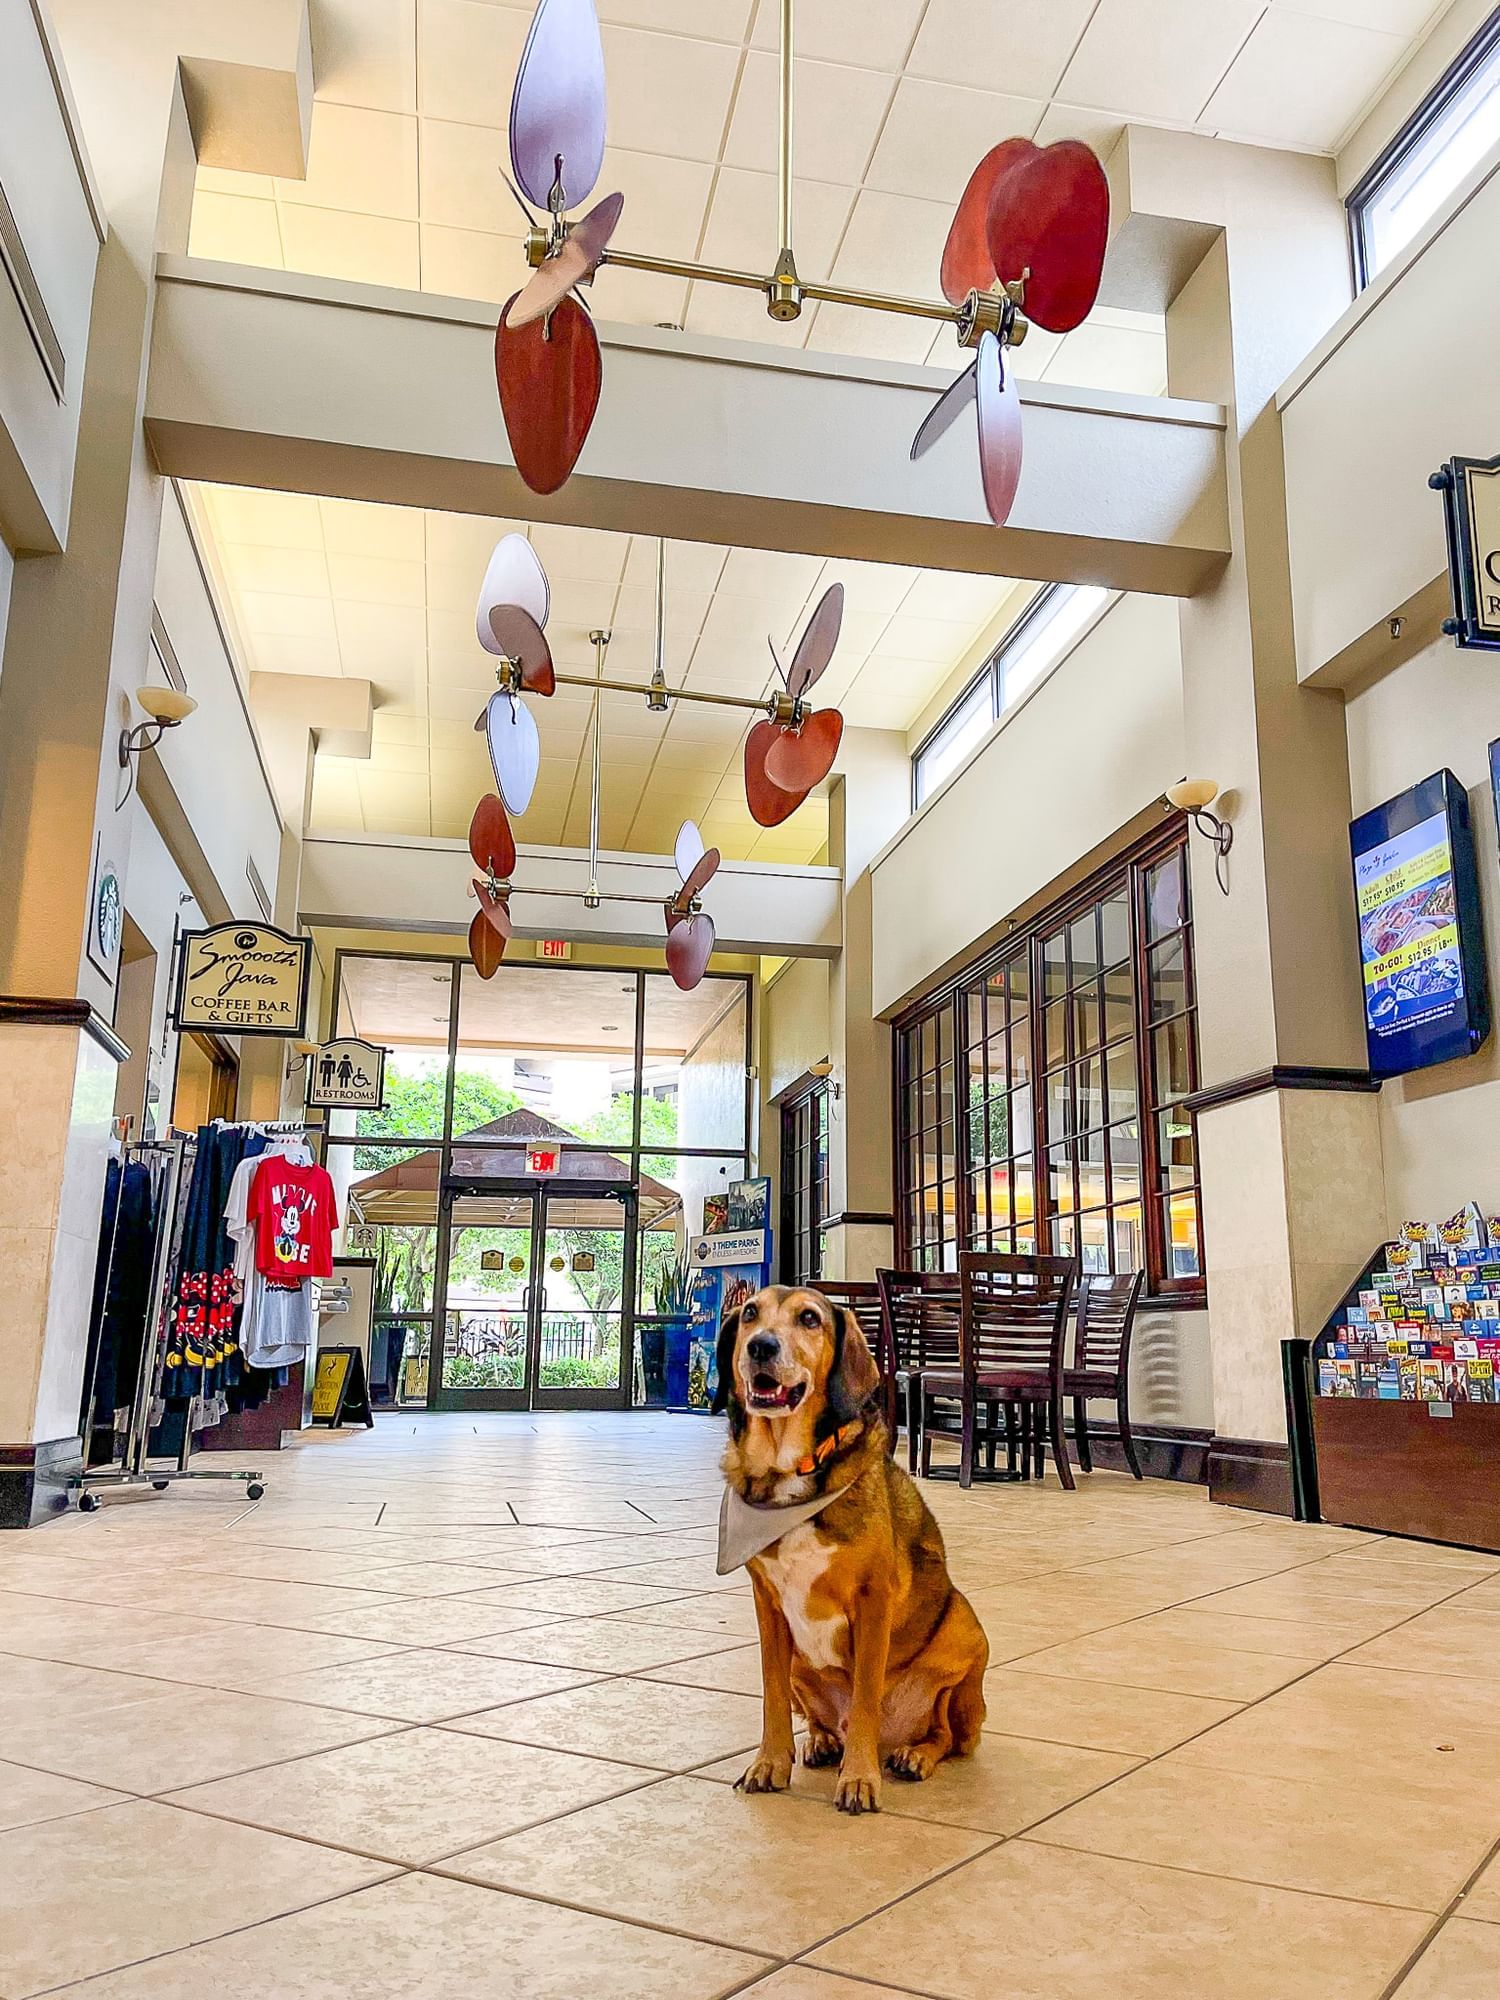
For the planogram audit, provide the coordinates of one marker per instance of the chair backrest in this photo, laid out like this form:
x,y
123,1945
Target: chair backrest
x,y
1106,1315
861,1296
920,1310
1015,1311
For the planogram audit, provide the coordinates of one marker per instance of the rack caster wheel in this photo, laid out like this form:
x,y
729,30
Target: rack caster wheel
x,y
255,1491
88,1503
160,1485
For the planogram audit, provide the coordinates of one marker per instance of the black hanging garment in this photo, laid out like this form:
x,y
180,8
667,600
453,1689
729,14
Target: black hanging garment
x,y
122,1297
203,1354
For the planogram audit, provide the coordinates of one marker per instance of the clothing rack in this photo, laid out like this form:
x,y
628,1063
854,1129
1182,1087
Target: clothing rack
x,y
134,1467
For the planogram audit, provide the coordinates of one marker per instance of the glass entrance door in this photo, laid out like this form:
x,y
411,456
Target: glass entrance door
x,y
534,1287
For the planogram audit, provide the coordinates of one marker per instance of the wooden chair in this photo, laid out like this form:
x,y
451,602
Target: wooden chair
x,y
861,1296
1012,1327
1101,1358
920,1314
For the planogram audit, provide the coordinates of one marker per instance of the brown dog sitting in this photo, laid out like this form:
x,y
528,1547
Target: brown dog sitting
x,y
861,1629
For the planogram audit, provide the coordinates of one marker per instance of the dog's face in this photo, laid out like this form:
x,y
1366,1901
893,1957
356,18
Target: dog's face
x,y
787,1349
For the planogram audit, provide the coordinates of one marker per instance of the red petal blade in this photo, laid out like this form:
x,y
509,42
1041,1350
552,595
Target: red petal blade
x,y
494,908
690,945
1049,214
815,647
491,841
944,413
486,946
769,804
519,637
967,264
549,375
700,876
800,759
574,264
999,429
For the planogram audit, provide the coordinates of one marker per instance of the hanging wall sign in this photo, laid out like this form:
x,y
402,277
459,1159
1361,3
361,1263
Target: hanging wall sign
x,y
1471,511
242,979
346,1075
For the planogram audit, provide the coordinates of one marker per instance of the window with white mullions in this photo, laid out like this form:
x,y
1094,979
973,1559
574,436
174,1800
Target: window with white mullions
x,y
1041,638
1451,132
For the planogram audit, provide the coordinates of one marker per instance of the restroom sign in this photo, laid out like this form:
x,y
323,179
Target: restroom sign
x,y
346,1075
1471,512
242,979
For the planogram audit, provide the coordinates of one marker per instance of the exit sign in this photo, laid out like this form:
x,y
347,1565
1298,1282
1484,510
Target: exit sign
x,y
543,1160
554,948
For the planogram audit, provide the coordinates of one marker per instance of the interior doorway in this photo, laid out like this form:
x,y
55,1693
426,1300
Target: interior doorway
x,y
534,1295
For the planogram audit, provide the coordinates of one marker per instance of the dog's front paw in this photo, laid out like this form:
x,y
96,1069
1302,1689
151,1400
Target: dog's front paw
x,y
771,1772
858,1792
914,1761
821,1748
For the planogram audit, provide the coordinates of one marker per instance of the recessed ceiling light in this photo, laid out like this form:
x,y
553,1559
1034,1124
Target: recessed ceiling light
x,y
609,1028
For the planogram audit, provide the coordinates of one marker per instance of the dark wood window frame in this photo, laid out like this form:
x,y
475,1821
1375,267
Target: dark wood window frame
x,y
943,1198
804,1181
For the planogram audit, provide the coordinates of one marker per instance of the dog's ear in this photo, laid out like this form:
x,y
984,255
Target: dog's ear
x,y
854,1377
724,1397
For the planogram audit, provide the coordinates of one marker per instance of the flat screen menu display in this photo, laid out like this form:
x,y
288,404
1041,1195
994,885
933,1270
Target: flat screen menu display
x,y
1422,954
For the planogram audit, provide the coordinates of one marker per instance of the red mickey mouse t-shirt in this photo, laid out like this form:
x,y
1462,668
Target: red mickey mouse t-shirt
x,y
295,1214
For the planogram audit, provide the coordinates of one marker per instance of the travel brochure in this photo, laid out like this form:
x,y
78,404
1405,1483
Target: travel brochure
x,y
1423,1326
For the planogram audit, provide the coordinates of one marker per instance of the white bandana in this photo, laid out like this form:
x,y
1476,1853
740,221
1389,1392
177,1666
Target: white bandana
x,y
746,1529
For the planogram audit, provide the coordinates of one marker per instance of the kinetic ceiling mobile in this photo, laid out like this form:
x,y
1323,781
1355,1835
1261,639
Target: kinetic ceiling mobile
x,y
1027,243
514,601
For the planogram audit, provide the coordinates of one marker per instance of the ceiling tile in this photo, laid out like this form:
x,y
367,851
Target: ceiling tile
x,y
717,20
726,312
1396,17
378,580
364,52
280,520
234,230
469,264
293,572
367,249
578,552
940,640
877,336
691,566
668,94
1020,47
878,33
638,298
1109,357
1302,81
951,594
467,54
1099,129
358,528
937,133
894,243
466,540
362,161
742,224
289,617
460,178
291,652
838,116
665,200
381,638
1157,58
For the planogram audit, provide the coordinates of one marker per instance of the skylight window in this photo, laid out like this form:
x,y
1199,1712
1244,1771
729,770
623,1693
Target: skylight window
x,y
1432,156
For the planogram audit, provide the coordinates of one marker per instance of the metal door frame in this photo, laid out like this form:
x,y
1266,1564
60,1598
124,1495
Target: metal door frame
x,y
530,1395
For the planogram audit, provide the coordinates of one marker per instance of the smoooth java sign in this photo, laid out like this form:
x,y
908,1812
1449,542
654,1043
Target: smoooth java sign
x,y
242,979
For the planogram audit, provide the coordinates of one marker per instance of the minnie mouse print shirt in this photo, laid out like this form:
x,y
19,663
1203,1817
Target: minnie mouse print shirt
x,y
294,1213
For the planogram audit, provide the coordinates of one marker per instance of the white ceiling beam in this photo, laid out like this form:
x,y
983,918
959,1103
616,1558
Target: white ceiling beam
x,y
364,882
262,378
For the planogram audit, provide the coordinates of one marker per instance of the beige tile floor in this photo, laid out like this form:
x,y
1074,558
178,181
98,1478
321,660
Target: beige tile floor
x,y
455,1709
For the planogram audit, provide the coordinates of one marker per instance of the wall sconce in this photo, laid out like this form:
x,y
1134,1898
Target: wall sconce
x,y
1194,796
298,1056
824,1073
167,707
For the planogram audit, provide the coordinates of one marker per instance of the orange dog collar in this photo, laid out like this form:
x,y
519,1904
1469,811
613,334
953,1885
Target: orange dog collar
x,y
835,1441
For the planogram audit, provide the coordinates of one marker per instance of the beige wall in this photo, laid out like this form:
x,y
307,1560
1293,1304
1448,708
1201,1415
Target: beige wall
x,y
798,1030
1438,1126
1072,764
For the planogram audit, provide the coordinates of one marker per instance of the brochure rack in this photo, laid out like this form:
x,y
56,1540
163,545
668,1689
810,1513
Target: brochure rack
x,y
1406,1428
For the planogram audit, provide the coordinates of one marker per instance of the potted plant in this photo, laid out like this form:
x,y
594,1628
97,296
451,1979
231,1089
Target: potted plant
x,y
670,1315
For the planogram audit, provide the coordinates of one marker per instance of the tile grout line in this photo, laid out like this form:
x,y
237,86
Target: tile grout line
x,y
1439,1924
